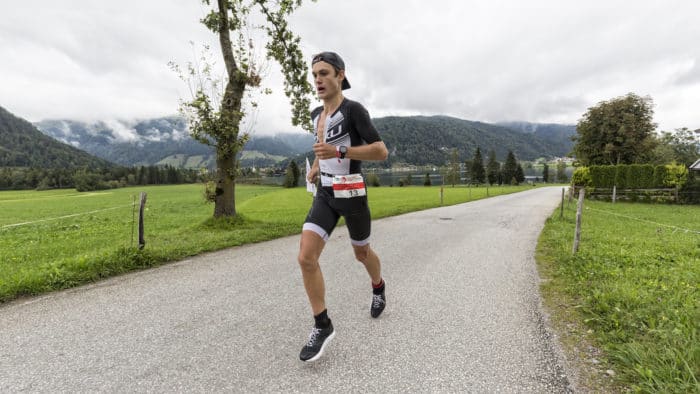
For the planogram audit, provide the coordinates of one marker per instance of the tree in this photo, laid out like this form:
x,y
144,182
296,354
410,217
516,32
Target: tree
x,y
214,119
519,174
510,167
291,177
373,179
477,170
492,168
561,172
427,182
681,146
545,173
619,131
453,171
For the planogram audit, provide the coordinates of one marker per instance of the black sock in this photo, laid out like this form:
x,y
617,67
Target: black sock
x,y
378,289
322,319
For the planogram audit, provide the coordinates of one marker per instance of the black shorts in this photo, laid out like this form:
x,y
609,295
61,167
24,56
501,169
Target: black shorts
x,y
326,210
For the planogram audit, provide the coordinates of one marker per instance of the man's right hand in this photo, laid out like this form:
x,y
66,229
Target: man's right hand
x,y
312,176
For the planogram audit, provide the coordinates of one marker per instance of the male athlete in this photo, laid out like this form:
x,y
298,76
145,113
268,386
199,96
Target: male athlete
x,y
345,135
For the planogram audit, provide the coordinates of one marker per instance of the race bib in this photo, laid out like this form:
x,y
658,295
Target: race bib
x,y
348,186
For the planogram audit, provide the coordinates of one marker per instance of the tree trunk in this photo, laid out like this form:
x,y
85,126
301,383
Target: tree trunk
x,y
228,147
225,202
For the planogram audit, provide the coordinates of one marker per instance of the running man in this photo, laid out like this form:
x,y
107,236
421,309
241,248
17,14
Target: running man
x,y
345,136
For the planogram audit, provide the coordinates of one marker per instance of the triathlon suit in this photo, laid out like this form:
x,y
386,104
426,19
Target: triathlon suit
x,y
350,125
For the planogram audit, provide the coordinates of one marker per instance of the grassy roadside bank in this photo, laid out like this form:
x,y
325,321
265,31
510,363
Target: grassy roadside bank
x,y
632,291
59,239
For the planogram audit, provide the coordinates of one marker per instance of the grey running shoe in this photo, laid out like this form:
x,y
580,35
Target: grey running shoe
x,y
318,339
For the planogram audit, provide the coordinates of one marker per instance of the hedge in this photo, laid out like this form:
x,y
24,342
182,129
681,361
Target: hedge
x,y
628,176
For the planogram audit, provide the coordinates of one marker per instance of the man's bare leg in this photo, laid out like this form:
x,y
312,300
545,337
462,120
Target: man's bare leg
x,y
365,255
310,249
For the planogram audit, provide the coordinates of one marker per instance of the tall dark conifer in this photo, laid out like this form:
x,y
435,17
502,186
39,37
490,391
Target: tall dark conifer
x,y
492,168
478,172
510,169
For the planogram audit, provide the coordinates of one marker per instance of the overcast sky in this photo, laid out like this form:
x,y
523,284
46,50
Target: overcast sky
x,y
535,60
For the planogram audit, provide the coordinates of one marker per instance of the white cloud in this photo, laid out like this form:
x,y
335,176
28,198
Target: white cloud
x,y
121,132
541,60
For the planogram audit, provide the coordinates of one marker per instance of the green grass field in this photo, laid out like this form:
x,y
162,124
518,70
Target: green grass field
x,y
633,290
58,239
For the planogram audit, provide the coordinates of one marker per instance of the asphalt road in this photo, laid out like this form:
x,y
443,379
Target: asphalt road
x,y
463,315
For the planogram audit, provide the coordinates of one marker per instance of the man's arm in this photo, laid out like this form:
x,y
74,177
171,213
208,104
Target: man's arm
x,y
375,151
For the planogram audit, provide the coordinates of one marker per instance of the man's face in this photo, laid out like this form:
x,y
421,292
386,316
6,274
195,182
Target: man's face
x,y
327,82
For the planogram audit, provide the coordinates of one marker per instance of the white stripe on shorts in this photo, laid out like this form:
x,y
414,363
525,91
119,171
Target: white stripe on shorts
x,y
360,243
317,229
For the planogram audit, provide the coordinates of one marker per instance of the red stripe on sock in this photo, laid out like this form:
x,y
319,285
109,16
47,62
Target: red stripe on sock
x,y
381,283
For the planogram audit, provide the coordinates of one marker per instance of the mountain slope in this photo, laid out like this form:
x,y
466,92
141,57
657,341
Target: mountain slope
x,y
165,141
422,140
22,145
557,135
417,140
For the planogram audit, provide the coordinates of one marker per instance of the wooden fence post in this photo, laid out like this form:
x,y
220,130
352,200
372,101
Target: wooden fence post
x,y
572,190
133,218
614,194
579,208
142,242
561,215
441,194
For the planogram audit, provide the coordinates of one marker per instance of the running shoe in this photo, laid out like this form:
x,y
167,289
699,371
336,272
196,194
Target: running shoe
x,y
378,304
318,339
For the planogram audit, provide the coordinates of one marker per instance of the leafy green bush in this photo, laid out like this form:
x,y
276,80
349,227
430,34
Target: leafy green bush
x,y
581,177
373,179
676,175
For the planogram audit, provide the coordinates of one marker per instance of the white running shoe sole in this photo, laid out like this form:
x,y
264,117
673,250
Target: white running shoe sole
x,y
323,347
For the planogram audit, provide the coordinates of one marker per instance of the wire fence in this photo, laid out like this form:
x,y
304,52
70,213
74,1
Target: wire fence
x,y
658,195
676,228
63,217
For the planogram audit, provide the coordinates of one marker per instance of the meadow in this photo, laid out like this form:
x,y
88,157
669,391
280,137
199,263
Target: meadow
x,y
632,291
58,239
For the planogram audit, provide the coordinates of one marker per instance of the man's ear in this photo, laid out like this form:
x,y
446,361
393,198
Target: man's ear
x,y
341,73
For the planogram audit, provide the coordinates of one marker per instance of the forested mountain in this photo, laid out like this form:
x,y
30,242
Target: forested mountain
x,y
22,145
422,140
165,141
417,140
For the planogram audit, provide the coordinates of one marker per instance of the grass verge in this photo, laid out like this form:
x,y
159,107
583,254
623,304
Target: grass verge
x,y
628,303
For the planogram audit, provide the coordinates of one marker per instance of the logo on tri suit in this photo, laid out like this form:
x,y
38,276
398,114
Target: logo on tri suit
x,y
334,132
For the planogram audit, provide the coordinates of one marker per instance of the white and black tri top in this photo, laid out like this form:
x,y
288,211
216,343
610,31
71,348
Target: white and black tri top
x,y
349,125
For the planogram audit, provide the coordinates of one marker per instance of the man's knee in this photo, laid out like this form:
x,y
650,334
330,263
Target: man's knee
x,y
307,262
362,253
